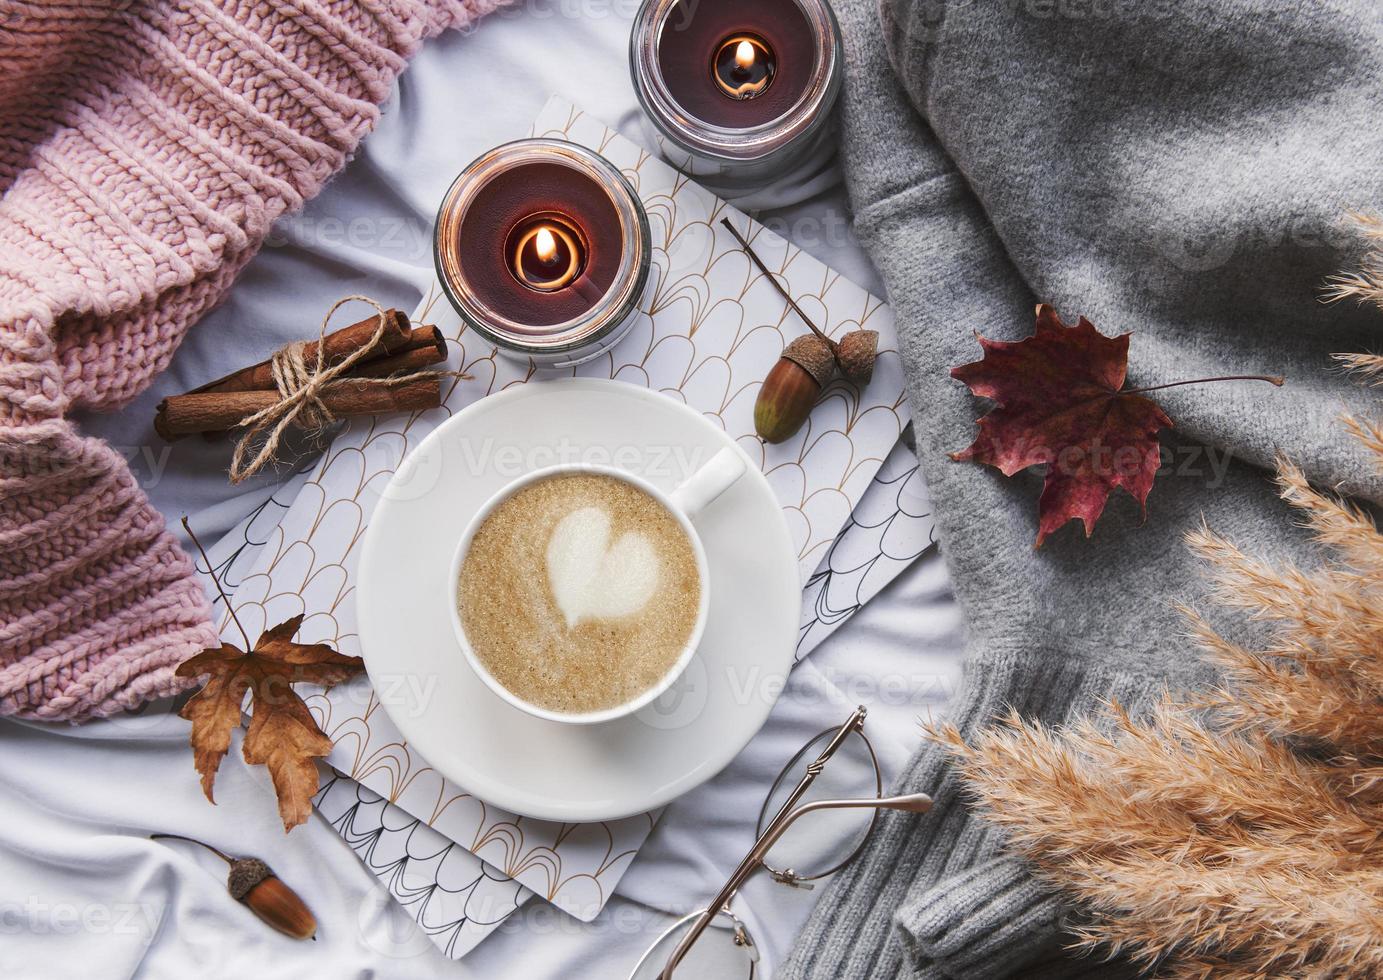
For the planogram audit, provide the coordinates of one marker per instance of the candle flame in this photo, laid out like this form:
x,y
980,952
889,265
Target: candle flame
x,y
545,245
744,55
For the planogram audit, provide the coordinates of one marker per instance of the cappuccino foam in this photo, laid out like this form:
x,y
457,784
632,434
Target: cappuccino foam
x,y
579,592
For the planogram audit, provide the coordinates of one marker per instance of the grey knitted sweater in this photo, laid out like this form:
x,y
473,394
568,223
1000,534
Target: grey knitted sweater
x,y
1174,169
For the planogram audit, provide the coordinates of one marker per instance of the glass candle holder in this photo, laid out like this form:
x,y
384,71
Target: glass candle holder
x,y
739,94
543,248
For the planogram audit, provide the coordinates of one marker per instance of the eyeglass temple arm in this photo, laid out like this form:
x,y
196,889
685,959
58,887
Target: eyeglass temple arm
x,y
912,803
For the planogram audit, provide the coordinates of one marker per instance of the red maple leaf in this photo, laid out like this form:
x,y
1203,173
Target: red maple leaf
x,y
1059,403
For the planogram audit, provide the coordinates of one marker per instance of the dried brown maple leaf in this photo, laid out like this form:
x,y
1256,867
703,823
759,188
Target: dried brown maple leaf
x,y
282,735
1061,402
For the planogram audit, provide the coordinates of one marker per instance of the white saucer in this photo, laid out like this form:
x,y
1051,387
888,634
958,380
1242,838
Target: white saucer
x,y
547,769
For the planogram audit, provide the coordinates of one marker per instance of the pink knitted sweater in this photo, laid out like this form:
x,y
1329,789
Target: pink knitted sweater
x,y
145,148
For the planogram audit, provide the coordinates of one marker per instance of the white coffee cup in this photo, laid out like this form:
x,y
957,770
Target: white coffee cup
x,y
684,504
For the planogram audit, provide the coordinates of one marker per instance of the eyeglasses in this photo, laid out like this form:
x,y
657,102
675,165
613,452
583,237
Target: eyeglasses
x,y
848,796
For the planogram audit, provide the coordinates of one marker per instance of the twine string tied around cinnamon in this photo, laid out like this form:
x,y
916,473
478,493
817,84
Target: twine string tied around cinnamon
x,y
301,386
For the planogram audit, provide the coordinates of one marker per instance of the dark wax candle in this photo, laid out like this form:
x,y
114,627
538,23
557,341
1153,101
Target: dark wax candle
x,y
543,248
693,44
502,250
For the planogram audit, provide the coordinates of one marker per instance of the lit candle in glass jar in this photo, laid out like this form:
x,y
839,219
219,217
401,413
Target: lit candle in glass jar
x,y
739,94
544,250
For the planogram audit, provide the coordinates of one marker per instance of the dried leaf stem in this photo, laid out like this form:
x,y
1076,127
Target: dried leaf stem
x,y
1272,379
217,579
754,257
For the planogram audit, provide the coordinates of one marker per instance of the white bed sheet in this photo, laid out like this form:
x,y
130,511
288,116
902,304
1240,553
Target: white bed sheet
x,y
86,895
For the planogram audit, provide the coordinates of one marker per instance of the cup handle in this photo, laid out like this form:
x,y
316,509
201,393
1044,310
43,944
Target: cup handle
x,y
709,482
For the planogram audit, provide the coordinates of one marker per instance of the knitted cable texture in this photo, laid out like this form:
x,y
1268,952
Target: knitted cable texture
x,y
146,147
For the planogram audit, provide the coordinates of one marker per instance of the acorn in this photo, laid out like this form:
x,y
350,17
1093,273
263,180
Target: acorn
x,y
856,352
253,883
792,387
806,365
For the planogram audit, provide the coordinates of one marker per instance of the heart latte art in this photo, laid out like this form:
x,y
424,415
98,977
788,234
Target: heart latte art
x,y
579,592
593,579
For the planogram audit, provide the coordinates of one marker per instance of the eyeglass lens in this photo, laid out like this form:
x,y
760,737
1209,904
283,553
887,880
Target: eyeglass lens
x,y
826,840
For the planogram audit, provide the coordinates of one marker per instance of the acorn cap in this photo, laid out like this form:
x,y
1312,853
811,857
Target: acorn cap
x,y
245,873
813,355
857,351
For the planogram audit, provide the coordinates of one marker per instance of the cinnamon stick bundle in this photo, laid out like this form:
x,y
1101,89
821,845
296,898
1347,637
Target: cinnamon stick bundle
x,y
213,411
338,345
401,349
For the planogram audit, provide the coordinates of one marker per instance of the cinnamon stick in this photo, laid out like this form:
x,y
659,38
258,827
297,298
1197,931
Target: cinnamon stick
x,y
426,347
339,344
212,411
